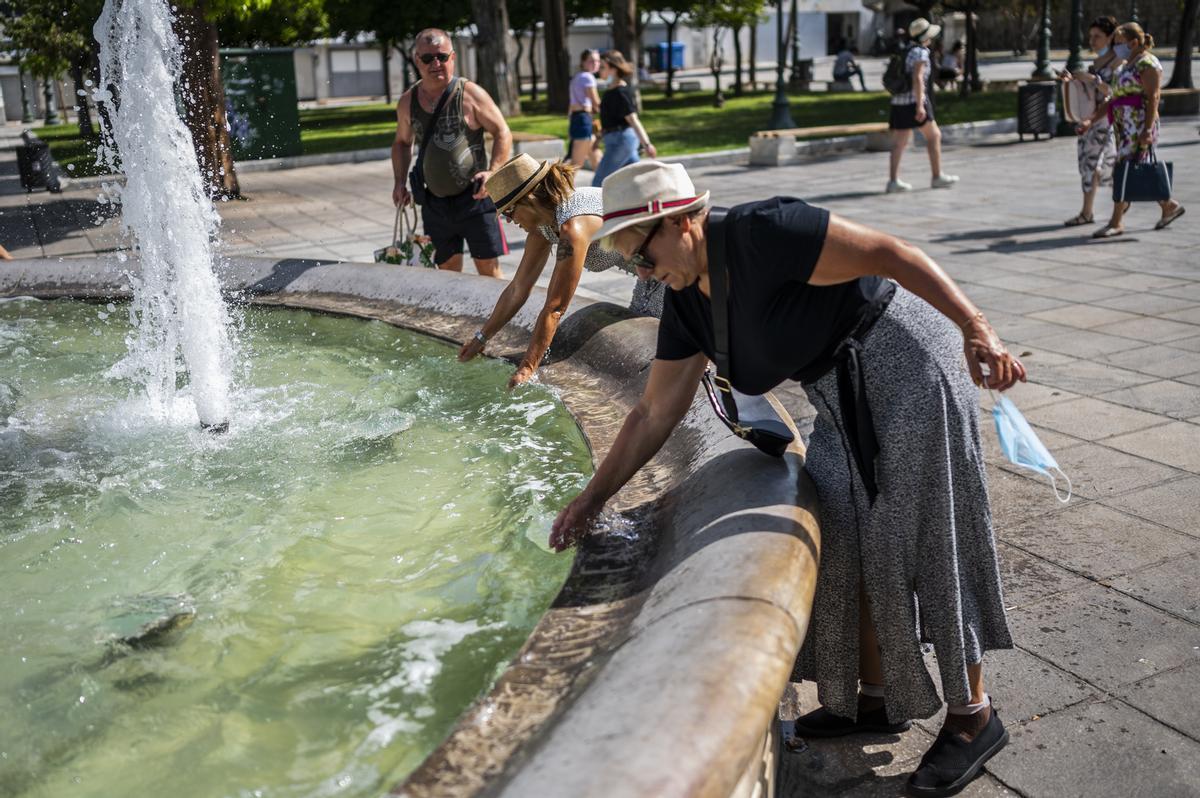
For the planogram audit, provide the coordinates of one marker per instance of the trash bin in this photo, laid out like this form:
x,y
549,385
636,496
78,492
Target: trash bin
x,y
260,102
36,166
659,59
1036,109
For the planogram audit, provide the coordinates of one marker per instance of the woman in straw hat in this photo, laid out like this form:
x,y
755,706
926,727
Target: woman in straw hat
x,y
876,333
542,199
913,110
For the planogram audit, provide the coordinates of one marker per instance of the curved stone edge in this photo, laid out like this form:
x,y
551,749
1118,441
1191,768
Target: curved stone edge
x,y
658,668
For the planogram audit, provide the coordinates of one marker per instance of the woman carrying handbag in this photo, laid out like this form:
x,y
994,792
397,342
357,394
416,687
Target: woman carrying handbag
x,y
1132,111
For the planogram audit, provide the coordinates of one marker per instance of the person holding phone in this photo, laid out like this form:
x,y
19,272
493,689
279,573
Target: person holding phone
x,y
447,117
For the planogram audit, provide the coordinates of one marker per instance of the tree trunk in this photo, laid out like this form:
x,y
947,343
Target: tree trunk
x,y
204,101
624,30
493,55
558,62
386,49
520,37
533,75
753,54
737,62
84,117
1181,75
714,65
670,23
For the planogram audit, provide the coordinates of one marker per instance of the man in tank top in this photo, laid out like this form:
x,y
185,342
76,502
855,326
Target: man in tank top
x,y
455,167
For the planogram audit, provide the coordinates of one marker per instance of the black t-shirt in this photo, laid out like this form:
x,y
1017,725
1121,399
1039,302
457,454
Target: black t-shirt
x,y
779,325
616,104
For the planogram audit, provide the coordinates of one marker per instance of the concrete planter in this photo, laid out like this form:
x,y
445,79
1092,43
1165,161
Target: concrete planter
x,y
658,668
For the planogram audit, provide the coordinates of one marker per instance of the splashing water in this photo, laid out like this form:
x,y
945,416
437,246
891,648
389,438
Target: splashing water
x,y
177,306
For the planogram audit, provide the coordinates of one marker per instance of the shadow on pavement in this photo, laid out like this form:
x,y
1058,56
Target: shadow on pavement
x,y
47,222
1050,243
994,232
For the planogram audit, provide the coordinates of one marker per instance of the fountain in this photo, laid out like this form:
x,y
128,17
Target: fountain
x,y
177,307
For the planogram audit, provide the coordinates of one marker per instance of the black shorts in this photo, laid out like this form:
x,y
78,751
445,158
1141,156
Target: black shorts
x,y
904,117
450,220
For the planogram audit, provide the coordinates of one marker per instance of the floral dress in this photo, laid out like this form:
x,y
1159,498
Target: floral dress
x,y
1095,149
1127,120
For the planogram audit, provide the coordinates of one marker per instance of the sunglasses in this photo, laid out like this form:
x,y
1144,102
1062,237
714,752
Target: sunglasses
x,y
638,259
442,58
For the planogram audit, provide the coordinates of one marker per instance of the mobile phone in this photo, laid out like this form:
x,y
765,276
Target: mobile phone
x,y
476,184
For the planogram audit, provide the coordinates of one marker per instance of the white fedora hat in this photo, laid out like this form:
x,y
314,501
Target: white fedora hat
x,y
922,30
644,191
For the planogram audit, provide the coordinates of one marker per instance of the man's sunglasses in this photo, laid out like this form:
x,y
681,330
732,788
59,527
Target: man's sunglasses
x,y
638,259
442,58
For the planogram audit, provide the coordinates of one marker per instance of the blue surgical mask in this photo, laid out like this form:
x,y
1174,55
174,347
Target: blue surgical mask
x,y
1122,51
1021,446
1103,51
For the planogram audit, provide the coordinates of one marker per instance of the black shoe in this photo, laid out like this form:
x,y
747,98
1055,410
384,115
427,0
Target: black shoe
x,y
951,762
823,723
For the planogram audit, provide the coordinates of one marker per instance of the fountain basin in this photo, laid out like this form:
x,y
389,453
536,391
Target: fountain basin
x,y
657,669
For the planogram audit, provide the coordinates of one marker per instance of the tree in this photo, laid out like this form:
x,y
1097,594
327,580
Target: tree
x,y
524,16
1181,75
624,31
271,23
732,15
558,62
672,12
493,55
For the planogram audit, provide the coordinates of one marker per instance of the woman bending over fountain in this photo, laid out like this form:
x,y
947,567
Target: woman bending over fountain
x,y
876,332
542,199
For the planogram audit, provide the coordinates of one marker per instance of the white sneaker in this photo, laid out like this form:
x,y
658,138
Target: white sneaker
x,y
896,186
944,181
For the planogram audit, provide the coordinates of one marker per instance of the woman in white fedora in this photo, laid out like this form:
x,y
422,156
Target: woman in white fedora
x,y
913,110
876,333
541,198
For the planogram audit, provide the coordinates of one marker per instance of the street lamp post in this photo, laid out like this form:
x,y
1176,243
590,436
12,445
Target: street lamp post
x,y
795,24
1041,69
1133,11
1074,61
48,94
781,114
26,110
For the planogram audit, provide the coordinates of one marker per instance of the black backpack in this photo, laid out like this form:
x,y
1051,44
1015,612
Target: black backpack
x,y
896,78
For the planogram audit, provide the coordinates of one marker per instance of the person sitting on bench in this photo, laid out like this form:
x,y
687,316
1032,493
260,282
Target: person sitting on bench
x,y
845,67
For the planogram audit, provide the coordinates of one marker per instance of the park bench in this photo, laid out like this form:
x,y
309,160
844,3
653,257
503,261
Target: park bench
x,y
689,85
539,145
775,147
1180,102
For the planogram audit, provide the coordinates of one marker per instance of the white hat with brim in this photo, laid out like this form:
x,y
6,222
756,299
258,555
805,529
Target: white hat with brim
x,y
922,30
645,191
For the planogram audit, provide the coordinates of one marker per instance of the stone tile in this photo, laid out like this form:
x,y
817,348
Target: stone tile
x,y
844,766
1028,579
993,297
1092,419
1189,315
1171,698
1104,637
1141,281
1173,586
1084,343
1083,377
1023,687
1170,398
1176,444
1148,304
1190,344
1171,504
1098,749
1098,541
1189,291
1098,472
1190,379
1150,329
1161,361
1026,395
1083,316
1016,498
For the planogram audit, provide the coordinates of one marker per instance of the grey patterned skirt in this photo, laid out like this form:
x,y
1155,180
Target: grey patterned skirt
x,y
924,553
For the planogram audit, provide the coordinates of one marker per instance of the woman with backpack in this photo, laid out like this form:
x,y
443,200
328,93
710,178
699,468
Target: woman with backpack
x,y
908,78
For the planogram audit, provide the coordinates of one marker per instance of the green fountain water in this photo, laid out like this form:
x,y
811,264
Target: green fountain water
x,y
302,606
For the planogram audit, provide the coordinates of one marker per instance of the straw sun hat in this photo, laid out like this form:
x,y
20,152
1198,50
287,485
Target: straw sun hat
x,y
645,191
520,175
922,30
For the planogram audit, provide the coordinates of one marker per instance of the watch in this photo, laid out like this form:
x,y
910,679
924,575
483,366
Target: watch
x,y
480,337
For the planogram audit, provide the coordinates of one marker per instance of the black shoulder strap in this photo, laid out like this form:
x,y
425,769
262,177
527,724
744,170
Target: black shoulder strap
x,y
433,120
718,287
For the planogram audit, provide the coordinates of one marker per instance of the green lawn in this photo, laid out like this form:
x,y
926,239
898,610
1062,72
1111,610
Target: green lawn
x,y
688,123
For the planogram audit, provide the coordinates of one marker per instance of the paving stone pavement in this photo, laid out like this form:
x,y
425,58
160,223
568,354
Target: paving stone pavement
x,y
1104,593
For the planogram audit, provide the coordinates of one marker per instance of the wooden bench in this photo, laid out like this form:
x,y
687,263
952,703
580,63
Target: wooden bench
x,y
775,147
689,85
1180,102
539,145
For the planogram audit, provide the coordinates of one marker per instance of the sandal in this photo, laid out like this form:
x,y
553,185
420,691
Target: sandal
x,y
1166,220
1077,220
1107,231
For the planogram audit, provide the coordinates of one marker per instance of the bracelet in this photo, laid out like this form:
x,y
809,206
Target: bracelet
x,y
480,337
968,322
